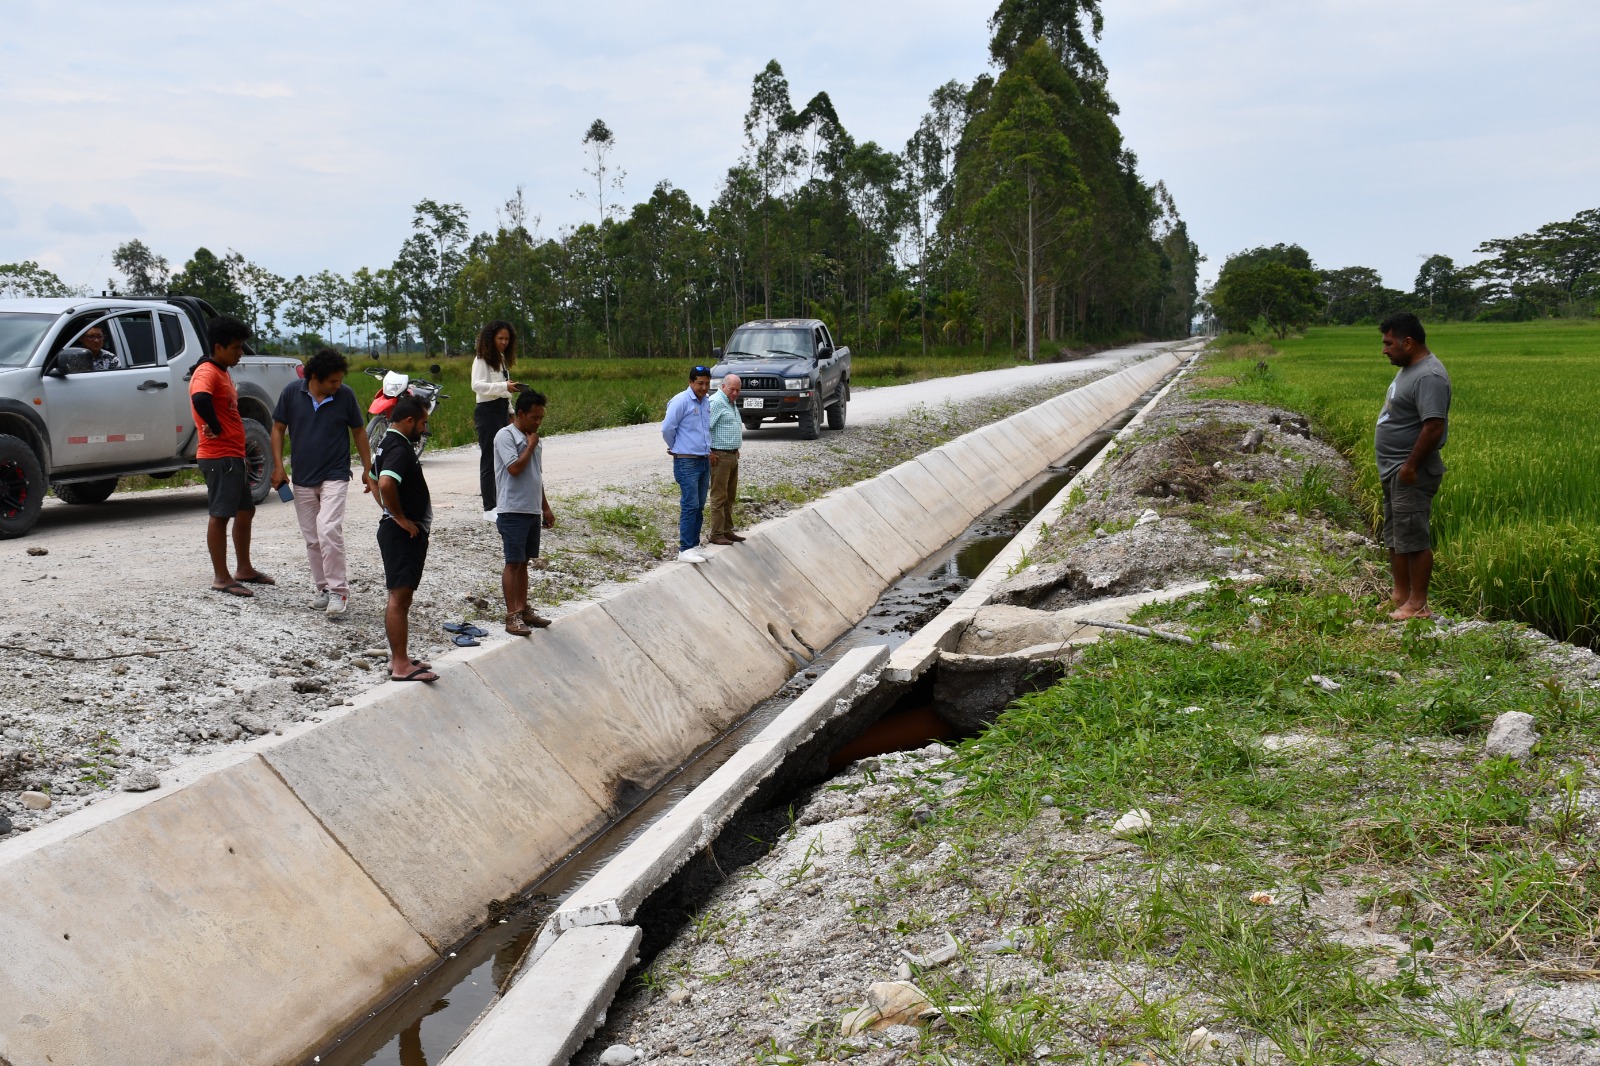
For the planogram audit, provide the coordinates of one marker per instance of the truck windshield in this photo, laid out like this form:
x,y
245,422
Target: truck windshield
x,y
771,343
19,336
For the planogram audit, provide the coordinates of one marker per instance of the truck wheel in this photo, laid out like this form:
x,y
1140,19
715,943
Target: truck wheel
x,y
836,414
81,492
811,421
377,426
752,424
258,459
22,487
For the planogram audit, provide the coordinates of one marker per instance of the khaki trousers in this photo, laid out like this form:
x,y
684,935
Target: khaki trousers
x,y
724,490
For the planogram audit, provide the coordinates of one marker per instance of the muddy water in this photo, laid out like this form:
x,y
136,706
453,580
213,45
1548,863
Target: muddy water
x,y
419,1025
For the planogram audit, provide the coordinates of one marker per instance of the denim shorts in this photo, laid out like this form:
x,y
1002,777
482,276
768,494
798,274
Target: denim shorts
x,y
1406,513
519,534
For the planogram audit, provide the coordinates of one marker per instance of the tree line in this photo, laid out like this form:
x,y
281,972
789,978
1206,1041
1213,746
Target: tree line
x,y
1014,215
1552,272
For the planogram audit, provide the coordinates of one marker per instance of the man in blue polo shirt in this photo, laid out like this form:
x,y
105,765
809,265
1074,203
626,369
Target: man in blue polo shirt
x,y
687,431
320,414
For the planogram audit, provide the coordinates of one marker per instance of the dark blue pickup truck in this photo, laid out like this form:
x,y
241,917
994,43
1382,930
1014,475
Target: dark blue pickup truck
x,y
790,371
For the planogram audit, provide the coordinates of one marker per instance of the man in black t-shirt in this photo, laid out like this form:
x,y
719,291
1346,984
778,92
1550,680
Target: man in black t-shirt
x,y
403,530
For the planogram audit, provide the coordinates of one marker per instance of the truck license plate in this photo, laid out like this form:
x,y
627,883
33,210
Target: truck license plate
x,y
755,402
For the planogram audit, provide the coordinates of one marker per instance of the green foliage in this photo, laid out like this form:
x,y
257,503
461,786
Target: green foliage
x,y
1517,524
209,278
29,279
1275,286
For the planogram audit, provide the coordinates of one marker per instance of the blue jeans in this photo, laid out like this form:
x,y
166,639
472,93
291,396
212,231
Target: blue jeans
x,y
694,483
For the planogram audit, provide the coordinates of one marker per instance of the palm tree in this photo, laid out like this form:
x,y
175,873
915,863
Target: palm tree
x,y
896,308
957,311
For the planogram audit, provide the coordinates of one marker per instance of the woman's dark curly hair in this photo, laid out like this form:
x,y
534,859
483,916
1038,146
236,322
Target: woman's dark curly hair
x,y
489,352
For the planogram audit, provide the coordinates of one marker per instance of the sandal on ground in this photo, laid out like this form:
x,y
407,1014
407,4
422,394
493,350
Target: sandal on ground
x,y
462,640
421,673
233,588
257,578
465,628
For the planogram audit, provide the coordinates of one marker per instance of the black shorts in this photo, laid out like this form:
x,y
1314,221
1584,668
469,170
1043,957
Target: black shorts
x,y
227,486
519,536
403,555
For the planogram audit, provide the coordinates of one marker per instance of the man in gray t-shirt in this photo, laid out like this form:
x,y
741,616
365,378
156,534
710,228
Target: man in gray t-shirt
x,y
521,507
1412,427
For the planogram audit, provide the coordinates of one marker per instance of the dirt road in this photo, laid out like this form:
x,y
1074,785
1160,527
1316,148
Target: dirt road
x,y
108,557
130,576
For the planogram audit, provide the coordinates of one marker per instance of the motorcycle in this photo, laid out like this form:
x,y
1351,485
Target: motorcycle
x,y
396,385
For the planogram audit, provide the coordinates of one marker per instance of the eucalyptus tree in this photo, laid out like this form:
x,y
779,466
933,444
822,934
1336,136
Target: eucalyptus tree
x,y
599,142
1020,188
144,272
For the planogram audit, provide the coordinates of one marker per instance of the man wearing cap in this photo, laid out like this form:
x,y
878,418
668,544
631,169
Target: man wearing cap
x,y
687,431
727,434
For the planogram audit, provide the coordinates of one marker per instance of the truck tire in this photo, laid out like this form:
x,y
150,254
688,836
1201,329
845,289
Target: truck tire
x,y
811,420
22,487
751,423
836,413
258,459
81,492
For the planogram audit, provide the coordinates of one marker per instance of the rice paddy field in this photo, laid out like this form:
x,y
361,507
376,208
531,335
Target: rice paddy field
x,y
1517,522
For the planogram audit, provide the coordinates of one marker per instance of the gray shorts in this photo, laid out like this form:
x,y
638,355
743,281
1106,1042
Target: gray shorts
x,y
1406,510
227,486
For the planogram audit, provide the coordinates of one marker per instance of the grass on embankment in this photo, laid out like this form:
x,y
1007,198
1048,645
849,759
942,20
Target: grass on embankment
x,y
1416,893
1517,522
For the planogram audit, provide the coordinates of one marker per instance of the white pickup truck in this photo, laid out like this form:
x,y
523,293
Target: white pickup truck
x,y
75,423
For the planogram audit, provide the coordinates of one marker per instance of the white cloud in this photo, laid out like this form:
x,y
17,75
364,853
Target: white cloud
x,y
99,218
1371,131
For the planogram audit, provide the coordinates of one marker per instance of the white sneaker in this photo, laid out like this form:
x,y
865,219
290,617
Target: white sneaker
x,y
337,603
320,601
691,555
491,514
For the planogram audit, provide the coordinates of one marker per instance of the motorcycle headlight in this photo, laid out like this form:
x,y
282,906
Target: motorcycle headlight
x,y
795,383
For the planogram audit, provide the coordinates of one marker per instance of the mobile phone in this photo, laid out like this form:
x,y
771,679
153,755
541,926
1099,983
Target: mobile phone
x,y
285,493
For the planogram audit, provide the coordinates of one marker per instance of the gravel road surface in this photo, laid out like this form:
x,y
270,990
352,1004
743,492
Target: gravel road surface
x,y
129,576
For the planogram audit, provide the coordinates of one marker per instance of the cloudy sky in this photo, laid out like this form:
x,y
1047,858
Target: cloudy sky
x,y
1372,132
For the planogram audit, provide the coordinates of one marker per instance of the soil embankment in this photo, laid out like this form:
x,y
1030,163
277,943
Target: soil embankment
x,y
1308,836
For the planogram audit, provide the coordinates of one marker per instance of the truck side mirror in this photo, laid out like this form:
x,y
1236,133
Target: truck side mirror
x,y
716,353
73,361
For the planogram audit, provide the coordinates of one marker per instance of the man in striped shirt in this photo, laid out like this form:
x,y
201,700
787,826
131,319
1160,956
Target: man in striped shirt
x,y
727,434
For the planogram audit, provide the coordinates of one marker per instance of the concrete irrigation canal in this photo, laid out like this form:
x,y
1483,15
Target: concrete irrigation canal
x,y
279,895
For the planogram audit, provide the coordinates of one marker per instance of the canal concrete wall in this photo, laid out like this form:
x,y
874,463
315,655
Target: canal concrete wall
x,y
265,897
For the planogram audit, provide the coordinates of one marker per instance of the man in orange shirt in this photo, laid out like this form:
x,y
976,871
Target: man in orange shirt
x,y
221,457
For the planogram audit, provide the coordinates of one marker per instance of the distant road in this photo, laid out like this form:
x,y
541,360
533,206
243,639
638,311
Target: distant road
x,y
154,541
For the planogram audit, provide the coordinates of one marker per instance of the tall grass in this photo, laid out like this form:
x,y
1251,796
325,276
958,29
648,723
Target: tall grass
x,y
1517,523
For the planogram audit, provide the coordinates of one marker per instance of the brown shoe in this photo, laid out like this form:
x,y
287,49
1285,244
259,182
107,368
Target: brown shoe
x,y
736,538
516,626
720,540
530,616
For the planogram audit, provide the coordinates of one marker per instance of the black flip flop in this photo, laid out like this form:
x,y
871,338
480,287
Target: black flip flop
x,y
234,588
416,675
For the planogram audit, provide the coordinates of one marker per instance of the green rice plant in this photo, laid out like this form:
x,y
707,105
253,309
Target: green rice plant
x,y
1517,522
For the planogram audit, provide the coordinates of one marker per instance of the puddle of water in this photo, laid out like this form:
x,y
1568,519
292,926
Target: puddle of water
x,y
421,1023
